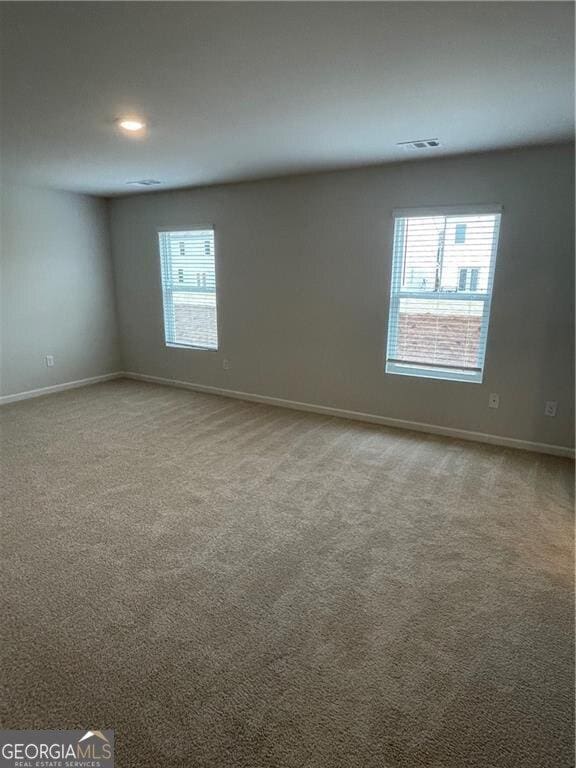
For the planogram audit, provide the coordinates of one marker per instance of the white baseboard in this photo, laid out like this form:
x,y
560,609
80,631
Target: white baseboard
x,y
433,429
5,399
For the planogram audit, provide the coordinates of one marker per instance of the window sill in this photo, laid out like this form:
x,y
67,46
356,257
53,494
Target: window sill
x,y
443,374
172,345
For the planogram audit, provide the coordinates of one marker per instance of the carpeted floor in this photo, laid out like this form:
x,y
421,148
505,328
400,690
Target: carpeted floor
x,y
230,585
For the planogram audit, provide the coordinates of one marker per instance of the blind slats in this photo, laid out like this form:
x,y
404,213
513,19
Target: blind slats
x,y
189,288
442,275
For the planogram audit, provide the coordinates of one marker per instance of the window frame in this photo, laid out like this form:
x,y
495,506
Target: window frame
x,y
472,275
168,320
394,366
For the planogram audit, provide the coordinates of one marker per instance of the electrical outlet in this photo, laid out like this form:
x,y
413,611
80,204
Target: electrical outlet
x,y
49,361
493,400
551,408
226,364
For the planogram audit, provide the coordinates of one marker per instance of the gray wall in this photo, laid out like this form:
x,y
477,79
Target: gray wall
x,y
303,276
57,293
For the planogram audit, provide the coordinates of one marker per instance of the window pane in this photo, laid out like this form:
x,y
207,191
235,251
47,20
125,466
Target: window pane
x,y
195,320
474,279
439,332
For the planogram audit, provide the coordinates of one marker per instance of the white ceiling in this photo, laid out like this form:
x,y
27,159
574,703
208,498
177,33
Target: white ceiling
x,y
243,90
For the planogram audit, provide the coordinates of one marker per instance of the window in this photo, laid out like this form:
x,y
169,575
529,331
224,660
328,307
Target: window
x,y
189,288
433,329
468,279
460,232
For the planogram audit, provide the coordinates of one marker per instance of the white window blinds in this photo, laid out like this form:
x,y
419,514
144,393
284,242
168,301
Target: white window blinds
x,y
442,275
189,288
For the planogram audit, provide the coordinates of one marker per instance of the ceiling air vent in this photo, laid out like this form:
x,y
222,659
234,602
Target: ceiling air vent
x,y
144,183
419,145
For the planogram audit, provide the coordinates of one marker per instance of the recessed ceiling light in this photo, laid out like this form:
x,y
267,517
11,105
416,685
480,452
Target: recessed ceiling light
x,y
144,183
131,124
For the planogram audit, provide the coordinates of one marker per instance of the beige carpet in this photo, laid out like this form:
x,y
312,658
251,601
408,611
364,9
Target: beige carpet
x,y
230,585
